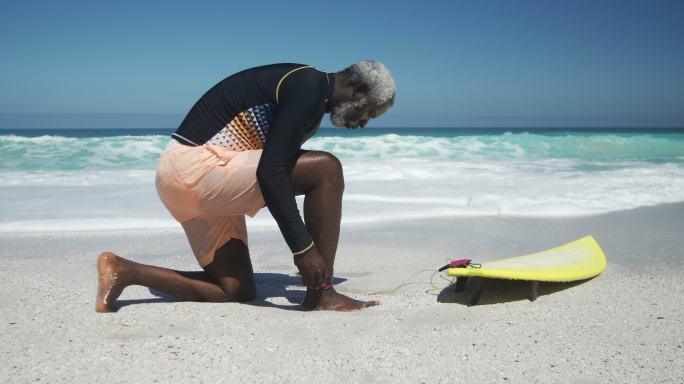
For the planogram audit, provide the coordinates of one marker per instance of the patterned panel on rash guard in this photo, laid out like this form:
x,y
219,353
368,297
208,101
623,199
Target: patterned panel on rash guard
x,y
247,130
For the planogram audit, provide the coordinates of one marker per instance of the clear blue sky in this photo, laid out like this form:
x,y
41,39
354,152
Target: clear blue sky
x,y
456,63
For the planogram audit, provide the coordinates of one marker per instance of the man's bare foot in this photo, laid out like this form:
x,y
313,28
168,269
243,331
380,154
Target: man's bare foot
x,y
111,271
330,300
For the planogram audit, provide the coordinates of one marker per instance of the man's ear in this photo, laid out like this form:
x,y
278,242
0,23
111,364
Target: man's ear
x,y
359,91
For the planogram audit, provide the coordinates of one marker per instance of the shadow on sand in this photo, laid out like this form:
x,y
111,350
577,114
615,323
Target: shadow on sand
x,y
496,291
269,285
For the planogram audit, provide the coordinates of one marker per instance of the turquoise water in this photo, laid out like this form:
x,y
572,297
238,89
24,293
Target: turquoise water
x,y
104,179
139,149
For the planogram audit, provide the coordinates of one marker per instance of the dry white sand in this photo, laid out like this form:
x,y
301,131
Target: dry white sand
x,y
623,326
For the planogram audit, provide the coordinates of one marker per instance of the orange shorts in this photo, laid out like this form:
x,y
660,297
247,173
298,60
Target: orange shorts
x,y
209,190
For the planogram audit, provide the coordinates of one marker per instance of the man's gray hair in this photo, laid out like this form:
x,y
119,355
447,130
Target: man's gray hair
x,y
376,76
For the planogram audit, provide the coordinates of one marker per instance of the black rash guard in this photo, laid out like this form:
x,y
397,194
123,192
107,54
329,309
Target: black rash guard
x,y
275,108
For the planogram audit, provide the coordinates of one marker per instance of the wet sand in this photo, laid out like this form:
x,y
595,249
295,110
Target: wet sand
x,y
623,326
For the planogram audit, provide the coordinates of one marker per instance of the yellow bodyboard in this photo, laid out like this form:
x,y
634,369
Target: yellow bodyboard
x,y
578,260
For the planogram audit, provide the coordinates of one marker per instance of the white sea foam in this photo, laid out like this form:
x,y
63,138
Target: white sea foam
x,y
76,178
87,224
108,183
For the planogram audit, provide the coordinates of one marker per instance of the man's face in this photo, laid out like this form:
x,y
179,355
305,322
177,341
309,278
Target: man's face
x,y
355,114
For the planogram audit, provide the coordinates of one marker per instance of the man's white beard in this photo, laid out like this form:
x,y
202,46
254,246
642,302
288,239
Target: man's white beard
x,y
346,113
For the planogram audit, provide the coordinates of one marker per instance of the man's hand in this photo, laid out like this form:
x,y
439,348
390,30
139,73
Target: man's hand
x,y
312,268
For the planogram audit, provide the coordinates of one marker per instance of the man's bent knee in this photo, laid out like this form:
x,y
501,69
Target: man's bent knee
x,y
331,169
315,169
239,292
246,292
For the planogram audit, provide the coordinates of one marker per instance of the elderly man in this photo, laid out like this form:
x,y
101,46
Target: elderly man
x,y
238,150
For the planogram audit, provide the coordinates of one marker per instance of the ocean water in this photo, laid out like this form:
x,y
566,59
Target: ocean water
x,y
69,180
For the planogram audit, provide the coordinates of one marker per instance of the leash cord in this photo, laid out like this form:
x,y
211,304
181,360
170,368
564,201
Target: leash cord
x,y
405,283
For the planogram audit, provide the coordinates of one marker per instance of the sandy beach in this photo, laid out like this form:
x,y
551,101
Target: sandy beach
x,y
623,326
